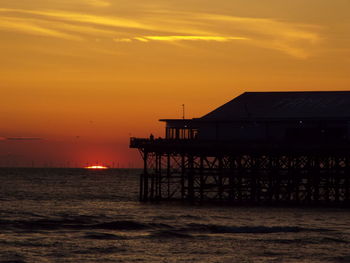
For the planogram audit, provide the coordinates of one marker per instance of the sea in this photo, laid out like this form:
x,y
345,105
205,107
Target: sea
x,y
80,215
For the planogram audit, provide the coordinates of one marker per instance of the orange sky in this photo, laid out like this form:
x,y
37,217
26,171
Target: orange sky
x,y
85,75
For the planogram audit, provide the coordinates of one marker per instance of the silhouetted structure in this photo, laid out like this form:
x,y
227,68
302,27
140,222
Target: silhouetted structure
x,y
261,147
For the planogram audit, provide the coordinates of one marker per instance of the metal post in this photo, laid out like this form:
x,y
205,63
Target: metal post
x,y
145,176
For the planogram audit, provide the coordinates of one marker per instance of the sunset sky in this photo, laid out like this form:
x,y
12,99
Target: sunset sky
x,y
79,77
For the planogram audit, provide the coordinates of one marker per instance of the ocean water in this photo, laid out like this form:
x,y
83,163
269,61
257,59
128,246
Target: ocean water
x,y
76,215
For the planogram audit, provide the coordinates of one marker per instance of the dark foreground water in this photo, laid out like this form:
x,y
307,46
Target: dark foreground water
x,y
68,215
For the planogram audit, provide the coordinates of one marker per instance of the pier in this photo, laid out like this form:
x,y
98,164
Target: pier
x,y
260,148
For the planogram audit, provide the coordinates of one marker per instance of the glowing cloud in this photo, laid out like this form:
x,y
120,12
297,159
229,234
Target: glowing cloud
x,y
27,27
297,40
293,39
182,38
82,18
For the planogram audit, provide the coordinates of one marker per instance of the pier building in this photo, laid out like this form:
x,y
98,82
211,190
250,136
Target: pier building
x,y
259,148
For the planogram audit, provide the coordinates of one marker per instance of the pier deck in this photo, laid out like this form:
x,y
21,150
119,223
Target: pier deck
x,y
243,173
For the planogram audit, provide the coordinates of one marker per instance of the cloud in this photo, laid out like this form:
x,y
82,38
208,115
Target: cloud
x,y
82,18
297,40
24,139
180,38
20,139
98,3
293,39
27,27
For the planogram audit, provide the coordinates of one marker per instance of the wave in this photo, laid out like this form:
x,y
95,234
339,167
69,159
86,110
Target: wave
x,y
25,243
168,234
160,225
192,217
103,236
220,229
308,240
77,224
101,250
340,259
165,230
12,261
120,225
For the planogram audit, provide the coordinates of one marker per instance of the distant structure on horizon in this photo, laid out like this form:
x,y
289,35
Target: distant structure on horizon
x,y
261,148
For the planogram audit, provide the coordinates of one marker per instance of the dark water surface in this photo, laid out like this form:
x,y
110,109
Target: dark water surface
x,y
72,215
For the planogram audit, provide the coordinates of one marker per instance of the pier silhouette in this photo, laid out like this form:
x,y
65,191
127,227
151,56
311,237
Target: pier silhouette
x,y
259,148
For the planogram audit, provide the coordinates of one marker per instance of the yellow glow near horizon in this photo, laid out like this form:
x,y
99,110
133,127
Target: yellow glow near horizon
x,y
97,167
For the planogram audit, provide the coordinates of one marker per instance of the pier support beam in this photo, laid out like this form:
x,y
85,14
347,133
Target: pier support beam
x,y
245,178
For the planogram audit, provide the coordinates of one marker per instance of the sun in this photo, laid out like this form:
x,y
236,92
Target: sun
x,y
96,167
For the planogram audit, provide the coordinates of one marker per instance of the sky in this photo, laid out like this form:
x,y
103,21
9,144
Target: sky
x,y
78,78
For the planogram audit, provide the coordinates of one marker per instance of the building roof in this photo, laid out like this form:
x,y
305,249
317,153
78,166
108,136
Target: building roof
x,y
284,105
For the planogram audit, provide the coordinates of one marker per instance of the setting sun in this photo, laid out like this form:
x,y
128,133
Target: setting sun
x,y
97,167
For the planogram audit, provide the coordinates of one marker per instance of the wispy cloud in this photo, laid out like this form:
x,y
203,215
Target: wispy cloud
x,y
27,27
20,139
98,3
82,18
180,38
294,39
291,38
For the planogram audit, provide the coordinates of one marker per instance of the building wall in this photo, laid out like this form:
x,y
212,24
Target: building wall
x,y
296,130
244,131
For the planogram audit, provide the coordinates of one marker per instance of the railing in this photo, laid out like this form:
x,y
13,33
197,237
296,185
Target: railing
x,y
273,145
136,142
